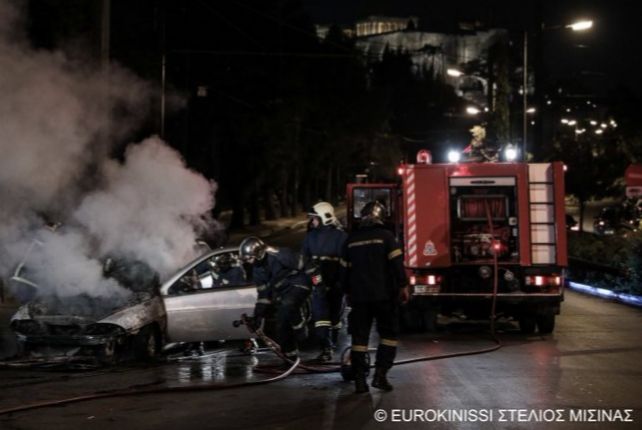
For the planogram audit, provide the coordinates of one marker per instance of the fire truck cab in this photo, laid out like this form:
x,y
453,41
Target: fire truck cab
x,y
454,219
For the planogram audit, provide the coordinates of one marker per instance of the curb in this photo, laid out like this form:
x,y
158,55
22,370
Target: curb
x,y
627,299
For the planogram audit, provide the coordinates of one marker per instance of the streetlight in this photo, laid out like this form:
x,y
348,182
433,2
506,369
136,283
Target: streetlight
x,y
454,73
472,110
580,25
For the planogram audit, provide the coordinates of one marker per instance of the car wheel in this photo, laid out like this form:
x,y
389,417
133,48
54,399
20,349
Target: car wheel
x,y
147,343
527,324
106,354
546,322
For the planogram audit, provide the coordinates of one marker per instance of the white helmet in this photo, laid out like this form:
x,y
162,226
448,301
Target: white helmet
x,y
325,212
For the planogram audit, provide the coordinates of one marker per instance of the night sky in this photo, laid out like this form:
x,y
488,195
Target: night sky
x,y
607,57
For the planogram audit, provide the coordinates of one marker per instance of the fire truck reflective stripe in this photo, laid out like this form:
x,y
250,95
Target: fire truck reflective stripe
x,y
323,324
360,348
411,207
393,254
388,342
366,242
264,301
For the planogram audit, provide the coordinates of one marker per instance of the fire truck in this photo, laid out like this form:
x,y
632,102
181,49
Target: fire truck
x,y
474,231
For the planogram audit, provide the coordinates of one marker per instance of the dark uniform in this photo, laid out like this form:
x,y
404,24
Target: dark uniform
x,y
372,277
323,245
282,281
234,275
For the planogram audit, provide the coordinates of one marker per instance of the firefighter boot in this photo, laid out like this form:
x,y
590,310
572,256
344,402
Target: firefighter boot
x,y
325,356
380,381
360,383
360,368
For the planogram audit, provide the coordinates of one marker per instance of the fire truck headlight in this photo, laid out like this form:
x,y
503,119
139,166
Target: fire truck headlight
x,y
510,153
454,156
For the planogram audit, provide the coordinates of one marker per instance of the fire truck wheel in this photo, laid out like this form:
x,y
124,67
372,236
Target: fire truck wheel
x,y
546,323
527,324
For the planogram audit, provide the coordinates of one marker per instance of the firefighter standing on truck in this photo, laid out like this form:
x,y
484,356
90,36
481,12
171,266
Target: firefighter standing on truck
x,y
374,281
283,280
322,245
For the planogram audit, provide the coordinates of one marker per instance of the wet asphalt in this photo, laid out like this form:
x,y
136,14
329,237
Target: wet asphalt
x,y
587,374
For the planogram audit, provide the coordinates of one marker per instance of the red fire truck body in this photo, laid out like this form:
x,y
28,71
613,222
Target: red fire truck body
x,y
453,218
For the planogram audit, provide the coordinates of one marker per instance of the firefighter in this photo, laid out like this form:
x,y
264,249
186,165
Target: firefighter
x,y
322,245
226,272
480,150
283,282
374,282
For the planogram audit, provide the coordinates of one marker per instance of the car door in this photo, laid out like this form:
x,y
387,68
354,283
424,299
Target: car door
x,y
200,309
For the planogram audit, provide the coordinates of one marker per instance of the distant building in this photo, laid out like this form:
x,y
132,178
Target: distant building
x,y
384,24
438,52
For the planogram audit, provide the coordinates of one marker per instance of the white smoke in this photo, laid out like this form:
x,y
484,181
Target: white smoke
x,y
150,208
58,127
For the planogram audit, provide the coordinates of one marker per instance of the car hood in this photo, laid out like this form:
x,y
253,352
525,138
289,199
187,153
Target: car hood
x,y
134,312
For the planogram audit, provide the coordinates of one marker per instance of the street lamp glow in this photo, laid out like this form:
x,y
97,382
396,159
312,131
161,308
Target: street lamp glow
x,y
599,131
572,122
580,25
454,73
454,156
564,121
472,110
593,122
510,153
603,125
530,110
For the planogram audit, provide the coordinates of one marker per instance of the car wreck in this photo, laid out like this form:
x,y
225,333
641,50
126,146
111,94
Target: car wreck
x,y
199,302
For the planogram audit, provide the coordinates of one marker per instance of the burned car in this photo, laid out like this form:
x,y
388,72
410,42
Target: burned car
x,y
199,302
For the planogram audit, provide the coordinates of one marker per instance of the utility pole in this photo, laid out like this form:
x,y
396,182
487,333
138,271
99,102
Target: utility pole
x,y
525,99
105,24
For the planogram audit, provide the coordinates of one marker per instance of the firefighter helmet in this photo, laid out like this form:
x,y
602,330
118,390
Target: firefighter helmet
x,y
223,262
252,249
373,212
325,212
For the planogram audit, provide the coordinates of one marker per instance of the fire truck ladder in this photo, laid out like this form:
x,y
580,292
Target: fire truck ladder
x,y
541,201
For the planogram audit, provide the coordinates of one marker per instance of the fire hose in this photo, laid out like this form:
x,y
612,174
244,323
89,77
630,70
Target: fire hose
x,y
275,347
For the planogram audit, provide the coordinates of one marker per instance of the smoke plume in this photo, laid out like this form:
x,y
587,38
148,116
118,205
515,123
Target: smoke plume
x,y
60,120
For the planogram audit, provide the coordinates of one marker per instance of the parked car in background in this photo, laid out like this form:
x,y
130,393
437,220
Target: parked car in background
x,y
199,302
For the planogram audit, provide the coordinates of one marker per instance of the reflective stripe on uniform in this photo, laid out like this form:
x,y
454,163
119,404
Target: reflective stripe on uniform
x,y
323,323
344,263
360,348
262,287
282,281
366,242
325,258
264,301
388,342
305,287
395,253
337,325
